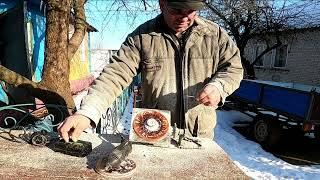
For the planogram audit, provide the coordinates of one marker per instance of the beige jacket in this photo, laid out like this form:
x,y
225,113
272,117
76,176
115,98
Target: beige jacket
x,y
170,74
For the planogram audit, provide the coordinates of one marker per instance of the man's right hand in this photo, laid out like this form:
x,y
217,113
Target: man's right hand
x,y
73,126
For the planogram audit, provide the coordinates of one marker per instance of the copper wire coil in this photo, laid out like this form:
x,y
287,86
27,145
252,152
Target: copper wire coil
x,y
156,131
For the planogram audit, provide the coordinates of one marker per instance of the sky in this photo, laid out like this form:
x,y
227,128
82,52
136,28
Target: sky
x,y
114,21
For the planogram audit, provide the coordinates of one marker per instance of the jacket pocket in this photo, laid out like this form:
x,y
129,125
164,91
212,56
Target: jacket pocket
x,y
152,65
207,120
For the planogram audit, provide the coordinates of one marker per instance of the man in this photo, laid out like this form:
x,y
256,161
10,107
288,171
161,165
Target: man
x,y
188,66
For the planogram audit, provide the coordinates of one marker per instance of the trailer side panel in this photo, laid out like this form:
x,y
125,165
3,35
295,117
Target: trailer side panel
x,y
289,101
249,91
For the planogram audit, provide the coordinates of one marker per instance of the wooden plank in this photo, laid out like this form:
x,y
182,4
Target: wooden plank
x,y
24,161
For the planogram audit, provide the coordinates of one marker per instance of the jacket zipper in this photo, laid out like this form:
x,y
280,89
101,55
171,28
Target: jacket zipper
x,y
179,73
181,108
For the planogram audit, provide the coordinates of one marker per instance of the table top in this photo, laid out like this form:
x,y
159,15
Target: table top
x,y
25,161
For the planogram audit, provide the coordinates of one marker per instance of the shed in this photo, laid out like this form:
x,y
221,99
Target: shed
x,y
22,44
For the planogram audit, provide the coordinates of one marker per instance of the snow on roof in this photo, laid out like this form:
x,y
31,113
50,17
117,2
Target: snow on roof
x,y
301,87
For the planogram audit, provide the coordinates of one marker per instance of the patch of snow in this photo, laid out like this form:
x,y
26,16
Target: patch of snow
x,y
251,158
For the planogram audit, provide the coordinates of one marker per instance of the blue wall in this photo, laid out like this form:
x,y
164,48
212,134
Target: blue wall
x,y
35,16
39,32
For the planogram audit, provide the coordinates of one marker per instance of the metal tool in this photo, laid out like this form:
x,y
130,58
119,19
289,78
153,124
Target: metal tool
x,y
189,96
116,163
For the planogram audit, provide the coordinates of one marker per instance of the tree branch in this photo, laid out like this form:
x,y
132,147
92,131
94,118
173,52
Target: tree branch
x,y
15,79
79,28
217,12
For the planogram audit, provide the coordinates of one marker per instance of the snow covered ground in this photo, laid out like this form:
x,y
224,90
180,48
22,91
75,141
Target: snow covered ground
x,y
251,158
247,155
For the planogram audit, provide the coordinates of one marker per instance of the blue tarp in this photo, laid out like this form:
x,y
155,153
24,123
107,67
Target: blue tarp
x,y
3,96
38,22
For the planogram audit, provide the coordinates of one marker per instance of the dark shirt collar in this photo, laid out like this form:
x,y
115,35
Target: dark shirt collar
x,y
163,25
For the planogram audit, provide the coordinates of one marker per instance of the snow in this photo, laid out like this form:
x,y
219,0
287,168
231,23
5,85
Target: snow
x,y
247,155
251,158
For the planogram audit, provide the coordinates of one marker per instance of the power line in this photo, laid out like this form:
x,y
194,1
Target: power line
x,y
122,10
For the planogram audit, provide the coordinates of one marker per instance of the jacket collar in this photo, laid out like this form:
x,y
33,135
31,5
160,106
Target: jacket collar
x,y
202,26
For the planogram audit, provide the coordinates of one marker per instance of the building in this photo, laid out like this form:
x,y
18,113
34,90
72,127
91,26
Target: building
x,y
22,43
297,60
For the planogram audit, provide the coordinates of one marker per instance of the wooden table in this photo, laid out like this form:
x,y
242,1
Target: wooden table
x,y
24,161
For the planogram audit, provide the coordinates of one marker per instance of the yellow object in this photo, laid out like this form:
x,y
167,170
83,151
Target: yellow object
x,y
79,65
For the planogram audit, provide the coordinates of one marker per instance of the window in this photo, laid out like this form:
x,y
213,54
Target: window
x,y
258,50
280,59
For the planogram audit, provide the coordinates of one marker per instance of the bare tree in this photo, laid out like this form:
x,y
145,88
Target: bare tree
x,y
54,88
109,16
247,19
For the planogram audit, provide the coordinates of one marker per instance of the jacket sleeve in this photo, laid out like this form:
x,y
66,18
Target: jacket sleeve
x,y
115,77
229,72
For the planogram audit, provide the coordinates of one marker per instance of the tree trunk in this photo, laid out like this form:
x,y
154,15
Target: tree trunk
x,y
56,68
248,67
249,72
54,87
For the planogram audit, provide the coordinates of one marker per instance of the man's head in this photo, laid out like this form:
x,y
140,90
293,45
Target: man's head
x,y
180,14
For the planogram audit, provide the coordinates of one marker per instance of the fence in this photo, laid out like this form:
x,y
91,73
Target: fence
x,y
111,119
18,116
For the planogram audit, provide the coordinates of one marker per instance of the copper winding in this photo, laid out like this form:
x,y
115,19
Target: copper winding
x,y
140,121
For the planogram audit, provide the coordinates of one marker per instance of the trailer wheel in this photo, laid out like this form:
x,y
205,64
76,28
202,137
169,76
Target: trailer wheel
x,y
260,130
267,131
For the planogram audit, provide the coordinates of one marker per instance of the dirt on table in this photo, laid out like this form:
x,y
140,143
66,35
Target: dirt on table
x,y
24,161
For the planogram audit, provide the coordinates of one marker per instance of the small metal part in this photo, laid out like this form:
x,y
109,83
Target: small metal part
x,y
185,142
181,137
189,96
116,163
39,140
196,141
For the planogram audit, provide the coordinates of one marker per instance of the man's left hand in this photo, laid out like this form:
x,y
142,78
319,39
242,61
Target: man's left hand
x,y
209,96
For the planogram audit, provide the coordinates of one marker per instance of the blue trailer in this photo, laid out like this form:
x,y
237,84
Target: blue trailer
x,y
276,106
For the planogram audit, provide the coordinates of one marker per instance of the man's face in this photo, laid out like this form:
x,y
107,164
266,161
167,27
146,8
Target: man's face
x,y
177,19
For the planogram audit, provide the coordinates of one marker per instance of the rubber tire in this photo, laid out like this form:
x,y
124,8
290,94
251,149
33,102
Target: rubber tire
x,y
267,131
